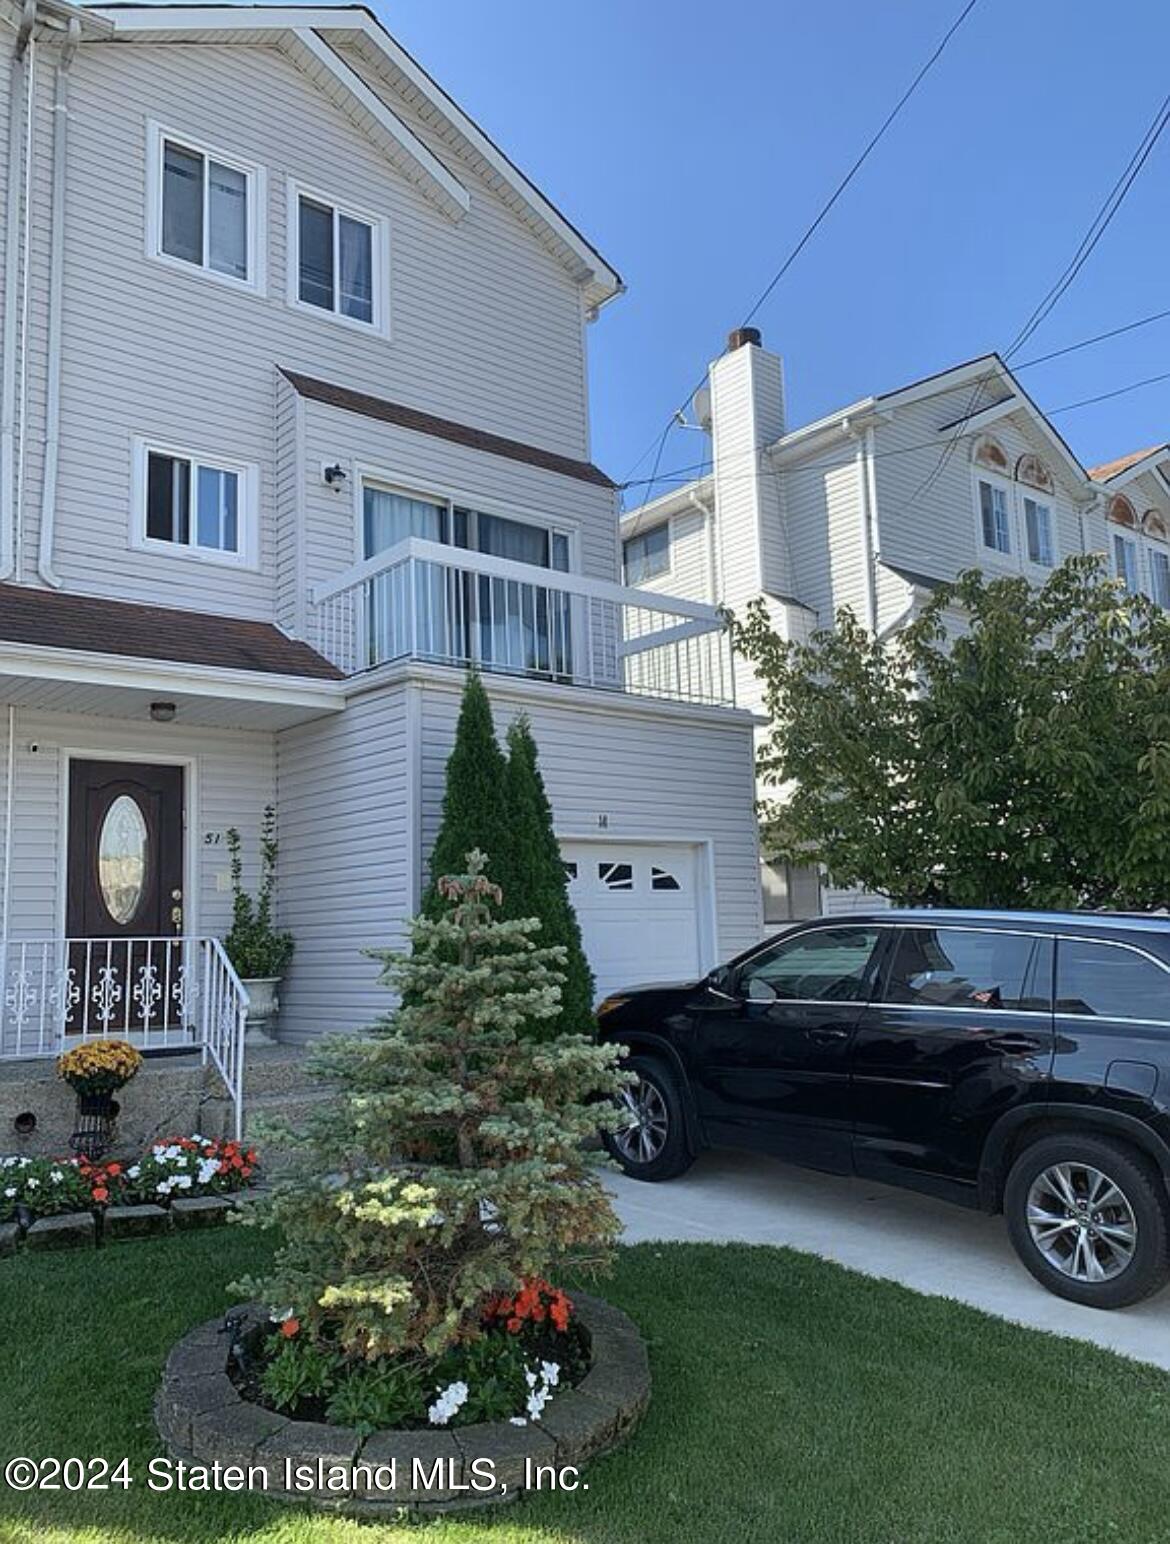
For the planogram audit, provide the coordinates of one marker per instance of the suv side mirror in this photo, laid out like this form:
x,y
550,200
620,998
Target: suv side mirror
x,y
760,991
720,980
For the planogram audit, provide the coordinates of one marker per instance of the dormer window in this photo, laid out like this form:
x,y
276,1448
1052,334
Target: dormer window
x,y
1038,531
205,210
995,516
1124,542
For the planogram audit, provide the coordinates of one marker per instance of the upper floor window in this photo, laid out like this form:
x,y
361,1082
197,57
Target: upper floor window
x,y
200,505
995,516
648,555
338,260
1038,530
1125,561
205,210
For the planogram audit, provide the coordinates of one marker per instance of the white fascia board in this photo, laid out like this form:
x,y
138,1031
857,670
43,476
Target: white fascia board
x,y
602,281
988,367
644,517
444,189
85,666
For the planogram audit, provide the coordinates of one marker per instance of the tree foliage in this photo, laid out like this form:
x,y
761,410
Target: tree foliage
x,y
541,886
386,1253
1010,747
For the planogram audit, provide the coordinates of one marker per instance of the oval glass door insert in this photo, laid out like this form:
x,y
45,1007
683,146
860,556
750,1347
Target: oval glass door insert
x,y
122,858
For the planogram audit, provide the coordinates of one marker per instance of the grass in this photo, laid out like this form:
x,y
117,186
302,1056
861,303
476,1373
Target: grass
x,y
793,1401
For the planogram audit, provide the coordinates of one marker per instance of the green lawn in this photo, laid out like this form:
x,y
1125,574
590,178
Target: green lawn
x,y
793,1402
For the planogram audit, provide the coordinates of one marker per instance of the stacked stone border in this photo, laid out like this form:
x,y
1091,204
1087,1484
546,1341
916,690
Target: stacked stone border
x,y
85,1230
202,1419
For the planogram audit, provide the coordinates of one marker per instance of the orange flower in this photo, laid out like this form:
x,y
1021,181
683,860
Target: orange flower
x,y
101,1193
113,1169
290,1327
246,1172
515,1325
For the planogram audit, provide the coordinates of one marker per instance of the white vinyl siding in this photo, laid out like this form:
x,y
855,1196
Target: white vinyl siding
x,y
197,360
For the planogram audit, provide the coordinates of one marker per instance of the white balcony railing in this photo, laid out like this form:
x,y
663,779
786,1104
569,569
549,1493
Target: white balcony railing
x,y
161,994
426,601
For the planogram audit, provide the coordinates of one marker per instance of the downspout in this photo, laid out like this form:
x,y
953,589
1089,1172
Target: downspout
x,y
25,303
864,439
20,94
56,292
10,766
708,513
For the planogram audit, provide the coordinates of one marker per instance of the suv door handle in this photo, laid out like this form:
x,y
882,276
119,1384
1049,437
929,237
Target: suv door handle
x,y
1014,1045
826,1036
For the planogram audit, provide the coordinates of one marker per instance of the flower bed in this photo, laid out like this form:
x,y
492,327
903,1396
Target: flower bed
x,y
532,1346
204,1416
181,1167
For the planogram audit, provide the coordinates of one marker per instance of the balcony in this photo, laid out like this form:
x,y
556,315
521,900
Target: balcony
x,y
422,600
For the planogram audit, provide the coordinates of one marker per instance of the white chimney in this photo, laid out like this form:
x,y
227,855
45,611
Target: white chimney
x,y
747,415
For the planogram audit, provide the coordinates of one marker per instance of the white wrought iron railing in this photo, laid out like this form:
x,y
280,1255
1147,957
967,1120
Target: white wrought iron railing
x,y
162,994
427,601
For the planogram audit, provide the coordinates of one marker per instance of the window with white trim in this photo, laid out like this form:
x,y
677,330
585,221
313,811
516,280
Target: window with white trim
x,y
1038,531
338,260
1160,576
192,504
647,555
205,209
1125,561
995,522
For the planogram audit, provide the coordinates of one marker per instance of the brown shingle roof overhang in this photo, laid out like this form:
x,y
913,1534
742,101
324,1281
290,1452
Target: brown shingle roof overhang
x,y
1110,469
442,428
58,620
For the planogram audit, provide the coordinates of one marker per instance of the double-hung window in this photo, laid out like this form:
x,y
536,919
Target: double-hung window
x,y
194,504
995,516
1038,531
205,210
338,263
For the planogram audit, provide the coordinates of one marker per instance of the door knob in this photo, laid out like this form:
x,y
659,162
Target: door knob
x,y
1014,1045
826,1036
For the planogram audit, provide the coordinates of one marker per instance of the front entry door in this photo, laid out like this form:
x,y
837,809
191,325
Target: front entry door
x,y
124,902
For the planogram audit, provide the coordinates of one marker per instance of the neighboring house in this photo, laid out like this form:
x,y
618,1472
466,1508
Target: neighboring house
x,y
295,428
872,506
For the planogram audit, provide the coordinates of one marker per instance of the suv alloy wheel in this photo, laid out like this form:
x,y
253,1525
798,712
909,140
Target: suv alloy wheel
x,y
651,1142
1090,1218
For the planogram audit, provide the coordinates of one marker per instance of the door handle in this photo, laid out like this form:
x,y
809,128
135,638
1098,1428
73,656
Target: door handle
x,y
826,1036
1014,1045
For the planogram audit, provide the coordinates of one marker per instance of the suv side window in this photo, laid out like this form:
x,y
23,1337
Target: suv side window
x,y
827,965
970,968
1103,980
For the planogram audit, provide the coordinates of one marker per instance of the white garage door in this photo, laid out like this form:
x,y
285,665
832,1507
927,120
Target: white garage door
x,y
638,906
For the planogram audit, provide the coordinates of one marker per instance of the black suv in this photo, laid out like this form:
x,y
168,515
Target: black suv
x,y
1012,1061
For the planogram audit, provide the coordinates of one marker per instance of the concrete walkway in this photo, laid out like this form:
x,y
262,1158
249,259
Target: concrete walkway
x,y
928,1245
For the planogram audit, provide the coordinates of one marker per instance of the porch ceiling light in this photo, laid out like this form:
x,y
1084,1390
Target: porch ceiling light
x,y
162,712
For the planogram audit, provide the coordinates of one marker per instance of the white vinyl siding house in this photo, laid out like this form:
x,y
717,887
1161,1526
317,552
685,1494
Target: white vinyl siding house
x,y
872,507
301,363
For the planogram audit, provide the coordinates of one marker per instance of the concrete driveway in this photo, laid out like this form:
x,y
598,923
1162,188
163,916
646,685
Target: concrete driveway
x,y
928,1245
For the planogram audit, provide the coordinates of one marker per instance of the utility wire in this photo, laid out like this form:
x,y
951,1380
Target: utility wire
x,y
821,216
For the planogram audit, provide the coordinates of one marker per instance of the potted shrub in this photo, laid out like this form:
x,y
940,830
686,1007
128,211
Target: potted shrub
x,y
258,951
95,1070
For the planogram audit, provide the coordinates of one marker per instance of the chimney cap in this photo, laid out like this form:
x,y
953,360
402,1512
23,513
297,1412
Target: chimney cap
x,y
741,335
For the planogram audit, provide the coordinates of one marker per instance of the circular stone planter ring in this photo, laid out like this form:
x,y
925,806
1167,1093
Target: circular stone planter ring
x,y
203,1420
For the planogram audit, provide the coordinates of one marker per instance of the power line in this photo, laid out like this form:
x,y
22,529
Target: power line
x,y
811,230
1101,337
1150,380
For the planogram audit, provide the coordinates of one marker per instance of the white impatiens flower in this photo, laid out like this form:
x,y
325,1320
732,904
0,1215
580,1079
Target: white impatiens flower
x,y
34,1184
450,1399
56,1176
10,1192
551,1373
133,1172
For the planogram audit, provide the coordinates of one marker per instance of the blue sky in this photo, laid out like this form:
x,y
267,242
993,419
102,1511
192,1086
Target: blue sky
x,y
692,142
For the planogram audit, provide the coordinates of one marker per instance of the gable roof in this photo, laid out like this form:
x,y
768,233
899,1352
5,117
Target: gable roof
x,y
57,619
1108,470
311,35
351,401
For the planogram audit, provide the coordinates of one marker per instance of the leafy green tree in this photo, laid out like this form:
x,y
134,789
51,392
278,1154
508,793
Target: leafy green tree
x,y
475,800
541,886
1019,756
385,1252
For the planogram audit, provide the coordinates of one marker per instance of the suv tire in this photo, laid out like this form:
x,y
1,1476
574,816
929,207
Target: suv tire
x,y
1090,1218
653,1145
